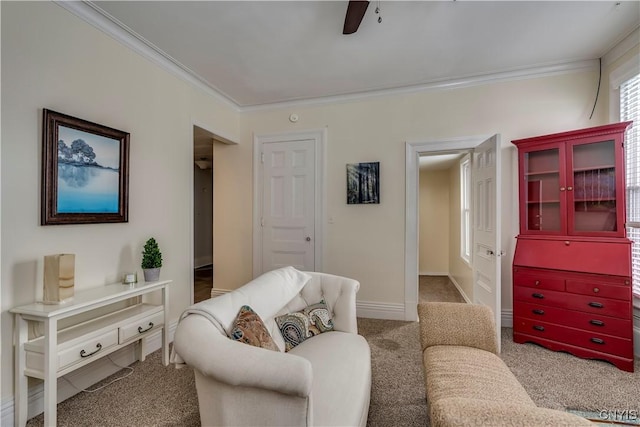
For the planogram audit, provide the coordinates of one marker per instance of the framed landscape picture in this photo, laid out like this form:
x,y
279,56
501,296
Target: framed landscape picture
x,y
363,183
85,171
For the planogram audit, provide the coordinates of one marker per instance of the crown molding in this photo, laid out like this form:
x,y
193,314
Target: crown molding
x,y
95,16
449,84
621,48
111,26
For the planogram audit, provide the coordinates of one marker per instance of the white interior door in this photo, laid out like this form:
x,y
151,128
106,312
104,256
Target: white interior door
x,y
288,205
486,226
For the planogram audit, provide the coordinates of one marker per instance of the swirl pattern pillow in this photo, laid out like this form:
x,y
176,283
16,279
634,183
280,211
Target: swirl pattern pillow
x,y
248,328
301,325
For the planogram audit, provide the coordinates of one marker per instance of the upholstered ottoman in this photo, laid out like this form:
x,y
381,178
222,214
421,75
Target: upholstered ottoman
x,y
467,383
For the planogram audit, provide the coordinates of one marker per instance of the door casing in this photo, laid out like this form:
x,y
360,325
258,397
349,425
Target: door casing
x,y
413,150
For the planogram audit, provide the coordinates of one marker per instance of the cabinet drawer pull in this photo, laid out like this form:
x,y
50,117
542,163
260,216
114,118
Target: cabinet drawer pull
x,y
597,341
538,312
142,331
596,304
538,328
85,354
596,290
536,295
596,322
537,282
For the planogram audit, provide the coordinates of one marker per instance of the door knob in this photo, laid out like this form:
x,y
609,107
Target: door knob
x,y
308,239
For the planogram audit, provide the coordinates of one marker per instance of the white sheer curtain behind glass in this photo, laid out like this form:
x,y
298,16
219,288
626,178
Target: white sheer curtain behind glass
x,y
465,204
630,110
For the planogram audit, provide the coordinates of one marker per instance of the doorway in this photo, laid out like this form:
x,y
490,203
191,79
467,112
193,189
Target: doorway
x,y
485,222
443,275
202,213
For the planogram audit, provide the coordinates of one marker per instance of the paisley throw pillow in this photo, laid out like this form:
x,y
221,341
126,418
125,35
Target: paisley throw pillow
x,y
301,325
248,328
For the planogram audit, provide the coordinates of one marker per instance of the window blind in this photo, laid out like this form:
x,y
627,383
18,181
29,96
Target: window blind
x,y
630,110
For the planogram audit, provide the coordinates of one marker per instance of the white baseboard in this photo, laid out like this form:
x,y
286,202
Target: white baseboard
x,y
434,273
82,378
507,318
379,310
459,288
202,261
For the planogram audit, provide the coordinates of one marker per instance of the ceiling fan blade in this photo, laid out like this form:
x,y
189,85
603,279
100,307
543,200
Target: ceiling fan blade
x,y
355,13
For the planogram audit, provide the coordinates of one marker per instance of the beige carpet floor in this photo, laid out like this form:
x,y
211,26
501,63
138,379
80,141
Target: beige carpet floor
x,y
155,395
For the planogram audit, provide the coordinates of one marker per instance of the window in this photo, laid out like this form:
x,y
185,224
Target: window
x,y
465,208
630,110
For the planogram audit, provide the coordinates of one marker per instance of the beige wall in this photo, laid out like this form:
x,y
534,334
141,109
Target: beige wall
x,y
51,59
367,242
433,250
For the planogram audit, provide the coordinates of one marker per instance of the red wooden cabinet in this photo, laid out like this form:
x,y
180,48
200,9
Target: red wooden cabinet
x,y
572,263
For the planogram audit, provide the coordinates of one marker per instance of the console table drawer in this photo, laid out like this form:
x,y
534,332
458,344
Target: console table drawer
x,y
586,339
72,351
575,319
139,327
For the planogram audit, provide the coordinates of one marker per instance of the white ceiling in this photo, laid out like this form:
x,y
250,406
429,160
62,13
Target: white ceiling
x,y
256,53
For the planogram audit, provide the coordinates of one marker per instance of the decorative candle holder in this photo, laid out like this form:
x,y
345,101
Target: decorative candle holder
x,y
59,278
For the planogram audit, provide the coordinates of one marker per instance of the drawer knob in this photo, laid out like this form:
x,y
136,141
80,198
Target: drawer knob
x,y
539,296
596,304
597,341
537,282
538,312
538,328
596,290
567,243
596,322
142,331
85,354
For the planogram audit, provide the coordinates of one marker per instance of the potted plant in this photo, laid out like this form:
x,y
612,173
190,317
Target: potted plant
x,y
151,260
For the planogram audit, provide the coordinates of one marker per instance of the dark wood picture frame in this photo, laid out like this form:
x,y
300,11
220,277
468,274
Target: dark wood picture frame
x,y
72,170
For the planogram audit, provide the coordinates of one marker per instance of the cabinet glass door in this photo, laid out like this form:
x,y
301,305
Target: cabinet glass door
x,y
593,192
542,191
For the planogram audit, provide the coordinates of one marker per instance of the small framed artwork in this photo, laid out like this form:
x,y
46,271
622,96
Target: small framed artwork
x,y
363,183
85,171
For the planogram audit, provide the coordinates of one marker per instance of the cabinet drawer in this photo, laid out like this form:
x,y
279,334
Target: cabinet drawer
x,y
590,322
72,351
585,339
601,306
599,289
142,325
584,303
537,279
541,297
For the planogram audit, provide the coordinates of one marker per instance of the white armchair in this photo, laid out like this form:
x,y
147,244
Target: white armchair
x,y
326,380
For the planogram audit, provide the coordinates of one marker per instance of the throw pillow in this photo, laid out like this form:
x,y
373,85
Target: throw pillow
x,y
248,328
301,325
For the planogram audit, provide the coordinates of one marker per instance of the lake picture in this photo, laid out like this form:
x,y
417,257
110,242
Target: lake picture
x,y
88,172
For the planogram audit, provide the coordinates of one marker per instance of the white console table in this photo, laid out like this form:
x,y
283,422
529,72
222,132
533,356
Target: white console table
x,y
60,351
